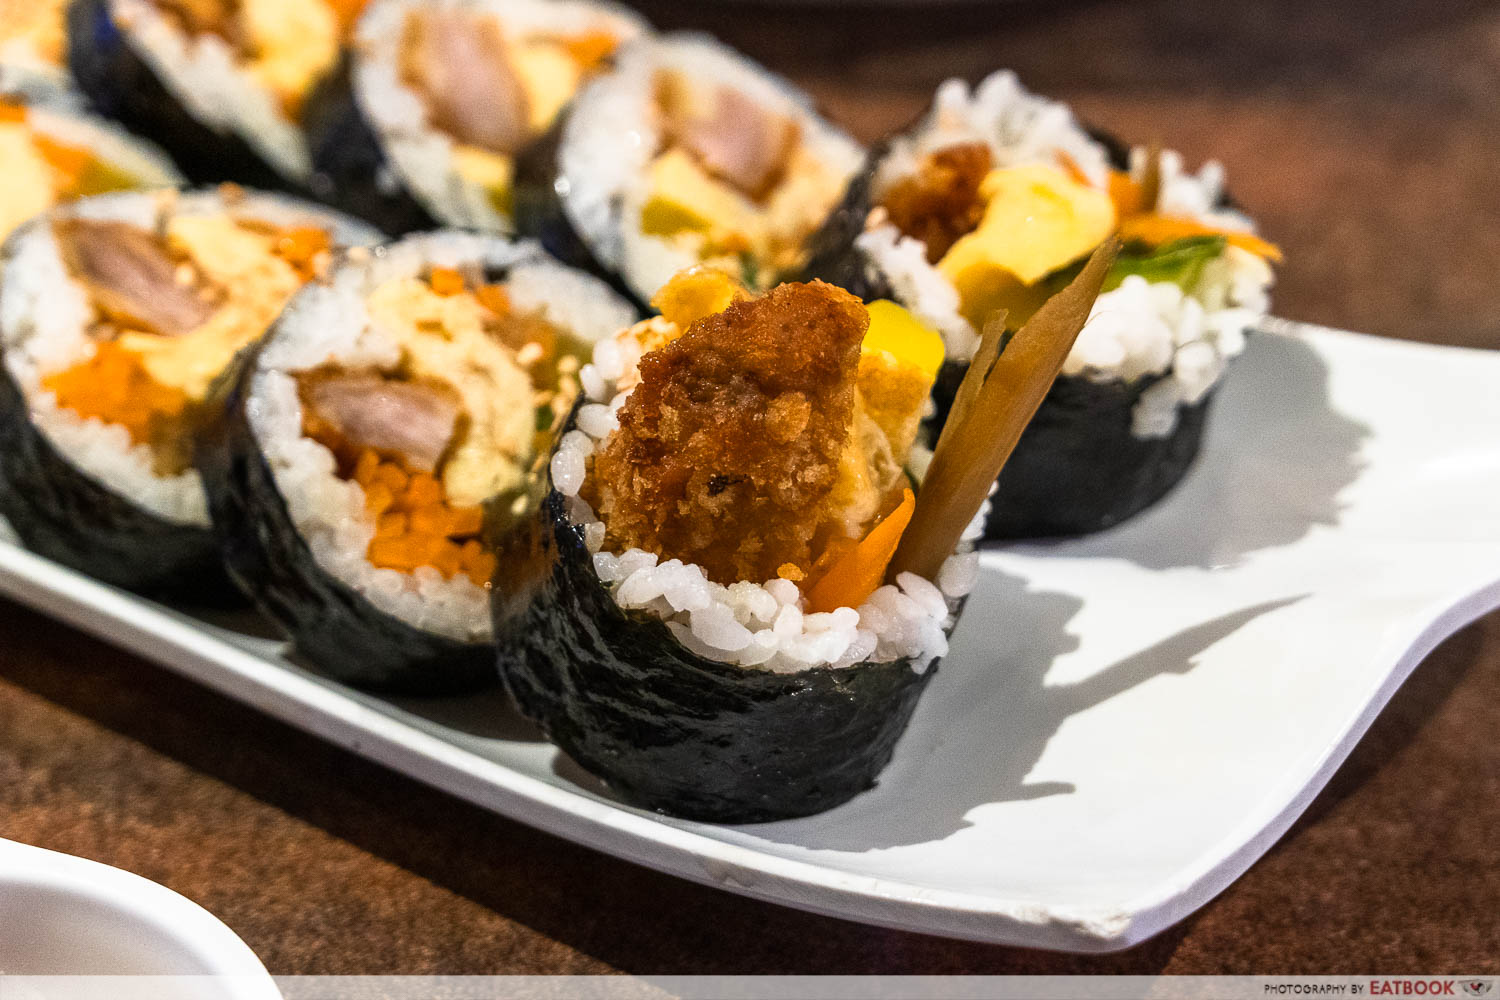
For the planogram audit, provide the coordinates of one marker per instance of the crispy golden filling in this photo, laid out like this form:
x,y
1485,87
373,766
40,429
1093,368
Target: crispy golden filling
x,y
730,447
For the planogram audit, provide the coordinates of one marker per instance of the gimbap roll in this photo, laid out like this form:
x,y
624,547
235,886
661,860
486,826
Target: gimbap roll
x,y
220,85
55,154
685,153
355,446
116,313
440,96
745,571
990,202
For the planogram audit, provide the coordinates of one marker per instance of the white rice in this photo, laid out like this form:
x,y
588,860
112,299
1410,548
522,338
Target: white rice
x,y
26,73
44,319
421,154
761,625
203,74
611,136
328,323
1133,332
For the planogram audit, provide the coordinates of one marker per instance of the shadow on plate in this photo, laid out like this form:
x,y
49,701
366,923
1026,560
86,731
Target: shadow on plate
x,y
487,714
1276,463
484,714
244,621
988,717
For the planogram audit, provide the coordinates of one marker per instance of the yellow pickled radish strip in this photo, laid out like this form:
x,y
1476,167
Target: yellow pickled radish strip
x,y
1156,230
850,581
897,331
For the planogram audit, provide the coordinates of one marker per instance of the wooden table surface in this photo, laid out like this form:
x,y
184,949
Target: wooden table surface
x,y
1363,135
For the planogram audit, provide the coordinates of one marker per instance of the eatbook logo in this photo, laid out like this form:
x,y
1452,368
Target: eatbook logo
x,y
1478,987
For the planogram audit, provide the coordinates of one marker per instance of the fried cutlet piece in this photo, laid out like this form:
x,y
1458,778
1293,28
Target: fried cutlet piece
x,y
729,448
940,202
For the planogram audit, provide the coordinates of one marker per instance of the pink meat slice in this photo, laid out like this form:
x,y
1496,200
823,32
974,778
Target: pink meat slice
x,y
460,64
741,142
131,276
414,421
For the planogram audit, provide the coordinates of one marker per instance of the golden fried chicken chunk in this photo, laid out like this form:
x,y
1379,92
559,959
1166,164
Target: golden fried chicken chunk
x,y
941,202
728,450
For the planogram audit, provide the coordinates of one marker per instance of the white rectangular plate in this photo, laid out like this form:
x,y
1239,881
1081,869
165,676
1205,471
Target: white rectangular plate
x,y
1125,723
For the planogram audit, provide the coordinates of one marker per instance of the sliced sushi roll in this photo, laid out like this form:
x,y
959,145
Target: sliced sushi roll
x,y
54,154
220,85
685,153
116,313
354,447
990,202
745,572
440,96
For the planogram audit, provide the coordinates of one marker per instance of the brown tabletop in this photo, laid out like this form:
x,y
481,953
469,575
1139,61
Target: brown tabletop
x,y
1361,133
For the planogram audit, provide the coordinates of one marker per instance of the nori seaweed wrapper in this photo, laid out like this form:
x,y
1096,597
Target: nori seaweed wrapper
x,y
667,729
537,210
121,85
350,168
331,625
831,253
63,513
1077,468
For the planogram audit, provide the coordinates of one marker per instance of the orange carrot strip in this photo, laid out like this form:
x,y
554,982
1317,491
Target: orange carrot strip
x,y
378,498
431,520
12,112
392,477
446,281
851,580
465,520
347,11
70,161
493,298
391,525
1155,230
1072,169
427,547
300,247
395,553
1128,196
422,491
365,466
115,387
447,560
591,48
